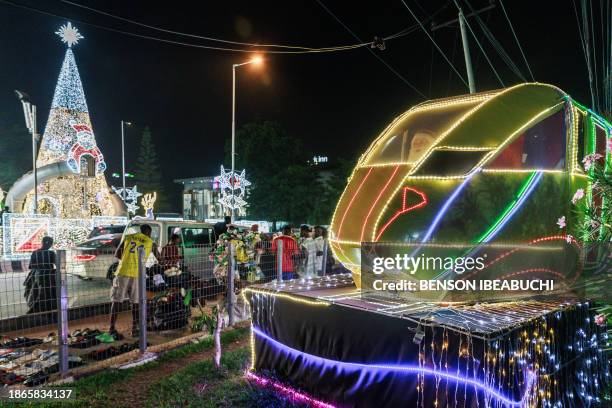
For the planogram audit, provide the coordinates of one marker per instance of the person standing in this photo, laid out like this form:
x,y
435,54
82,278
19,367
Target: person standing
x,y
322,248
171,256
40,284
125,283
290,249
308,252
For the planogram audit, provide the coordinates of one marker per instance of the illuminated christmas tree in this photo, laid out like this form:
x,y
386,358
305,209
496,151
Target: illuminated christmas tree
x,y
79,189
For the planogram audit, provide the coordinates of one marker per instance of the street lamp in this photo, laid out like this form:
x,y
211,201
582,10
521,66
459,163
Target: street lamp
x,y
29,111
123,123
257,60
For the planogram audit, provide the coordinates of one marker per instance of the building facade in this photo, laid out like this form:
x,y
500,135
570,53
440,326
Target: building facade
x,y
201,199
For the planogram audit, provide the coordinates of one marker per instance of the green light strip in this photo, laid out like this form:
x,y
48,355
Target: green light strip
x,y
509,208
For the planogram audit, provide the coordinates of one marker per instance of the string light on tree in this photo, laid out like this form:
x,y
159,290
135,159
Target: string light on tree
x,y
69,138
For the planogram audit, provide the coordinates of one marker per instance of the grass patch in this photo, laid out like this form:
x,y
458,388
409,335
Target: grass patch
x,y
201,385
92,391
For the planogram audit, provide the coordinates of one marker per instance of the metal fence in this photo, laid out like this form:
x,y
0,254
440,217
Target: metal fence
x,y
55,320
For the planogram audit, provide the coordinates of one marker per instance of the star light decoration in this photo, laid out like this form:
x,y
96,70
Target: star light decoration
x,y
69,34
131,197
226,179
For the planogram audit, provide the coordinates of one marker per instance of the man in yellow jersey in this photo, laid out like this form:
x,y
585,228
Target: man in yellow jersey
x,y
125,284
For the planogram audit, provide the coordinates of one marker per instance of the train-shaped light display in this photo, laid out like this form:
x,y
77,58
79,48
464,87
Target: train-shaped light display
x,y
499,166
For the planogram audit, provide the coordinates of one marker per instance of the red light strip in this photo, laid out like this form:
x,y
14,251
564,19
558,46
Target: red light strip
x,y
351,202
543,239
365,222
404,209
533,270
535,241
84,258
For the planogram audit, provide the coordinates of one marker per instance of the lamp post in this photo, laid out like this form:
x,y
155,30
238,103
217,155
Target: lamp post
x,y
257,60
29,111
123,123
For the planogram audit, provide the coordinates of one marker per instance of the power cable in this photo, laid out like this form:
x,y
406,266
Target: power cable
x,y
480,46
450,72
163,40
178,33
587,48
501,3
496,44
594,59
434,43
370,50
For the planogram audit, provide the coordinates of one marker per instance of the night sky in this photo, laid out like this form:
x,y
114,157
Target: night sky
x,y
335,102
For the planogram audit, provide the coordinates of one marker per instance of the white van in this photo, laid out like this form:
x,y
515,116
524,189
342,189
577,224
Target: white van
x,y
197,239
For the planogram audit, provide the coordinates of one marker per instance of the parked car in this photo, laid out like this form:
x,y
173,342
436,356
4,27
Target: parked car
x,y
106,230
94,258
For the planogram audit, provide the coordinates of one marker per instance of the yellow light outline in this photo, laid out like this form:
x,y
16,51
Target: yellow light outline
x,y
510,244
286,296
486,158
422,107
425,106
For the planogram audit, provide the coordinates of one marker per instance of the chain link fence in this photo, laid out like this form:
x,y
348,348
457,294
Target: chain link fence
x,y
75,313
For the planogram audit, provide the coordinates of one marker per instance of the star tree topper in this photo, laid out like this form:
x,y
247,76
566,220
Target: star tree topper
x,y
69,34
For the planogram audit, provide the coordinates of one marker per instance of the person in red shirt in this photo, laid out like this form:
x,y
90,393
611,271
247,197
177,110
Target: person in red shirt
x,y
171,253
290,249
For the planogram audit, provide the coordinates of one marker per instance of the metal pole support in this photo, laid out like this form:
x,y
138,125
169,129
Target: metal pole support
x,y
466,53
62,311
34,157
324,260
279,260
142,301
231,296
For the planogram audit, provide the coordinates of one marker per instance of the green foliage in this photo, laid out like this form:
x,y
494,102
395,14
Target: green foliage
x,y
202,385
148,173
205,321
597,213
284,187
15,151
331,189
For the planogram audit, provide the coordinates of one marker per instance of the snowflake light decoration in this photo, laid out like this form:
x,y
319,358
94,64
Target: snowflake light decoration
x,y
131,197
69,34
228,180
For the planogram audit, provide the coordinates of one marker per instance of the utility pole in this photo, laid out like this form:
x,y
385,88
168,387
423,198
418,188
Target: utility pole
x,y
464,39
29,112
466,53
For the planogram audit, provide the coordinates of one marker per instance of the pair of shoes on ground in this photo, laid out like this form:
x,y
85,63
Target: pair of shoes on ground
x,y
21,342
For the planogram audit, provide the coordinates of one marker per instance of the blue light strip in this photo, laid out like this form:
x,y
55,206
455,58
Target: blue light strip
x,y
447,205
399,368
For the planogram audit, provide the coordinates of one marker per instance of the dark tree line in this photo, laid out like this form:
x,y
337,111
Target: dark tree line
x,y
284,186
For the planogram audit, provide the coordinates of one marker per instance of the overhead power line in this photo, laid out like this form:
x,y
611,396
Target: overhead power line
x,y
203,46
213,39
497,46
434,43
480,46
400,76
501,3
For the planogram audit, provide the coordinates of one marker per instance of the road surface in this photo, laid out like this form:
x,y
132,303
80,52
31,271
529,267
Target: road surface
x,y
80,293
